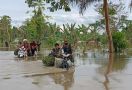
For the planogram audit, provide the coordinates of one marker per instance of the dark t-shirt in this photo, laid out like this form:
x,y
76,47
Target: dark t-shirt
x,y
56,52
33,45
67,49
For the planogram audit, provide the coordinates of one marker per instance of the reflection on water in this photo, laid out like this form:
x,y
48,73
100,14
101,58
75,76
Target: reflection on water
x,y
108,70
117,63
56,81
94,70
64,79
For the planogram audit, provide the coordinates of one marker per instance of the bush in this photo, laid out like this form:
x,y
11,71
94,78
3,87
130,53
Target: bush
x,y
48,60
119,41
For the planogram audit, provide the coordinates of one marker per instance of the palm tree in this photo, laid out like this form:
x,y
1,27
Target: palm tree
x,y
107,26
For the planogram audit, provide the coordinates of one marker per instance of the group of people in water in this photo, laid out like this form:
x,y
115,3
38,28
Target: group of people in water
x,y
59,50
29,49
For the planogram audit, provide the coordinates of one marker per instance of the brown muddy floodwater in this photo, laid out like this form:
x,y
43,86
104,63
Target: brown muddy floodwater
x,y
93,71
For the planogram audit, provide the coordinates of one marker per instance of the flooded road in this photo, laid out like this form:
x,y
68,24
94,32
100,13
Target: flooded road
x,y
93,71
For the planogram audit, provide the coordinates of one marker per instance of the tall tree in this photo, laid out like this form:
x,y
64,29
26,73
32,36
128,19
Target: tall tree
x,y
108,26
38,18
64,4
5,24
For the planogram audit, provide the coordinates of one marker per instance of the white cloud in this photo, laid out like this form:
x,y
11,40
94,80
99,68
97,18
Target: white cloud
x,y
61,17
17,11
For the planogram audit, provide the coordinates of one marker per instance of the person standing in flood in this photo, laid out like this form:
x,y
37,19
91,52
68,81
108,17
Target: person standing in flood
x,y
66,49
56,51
33,47
26,46
38,45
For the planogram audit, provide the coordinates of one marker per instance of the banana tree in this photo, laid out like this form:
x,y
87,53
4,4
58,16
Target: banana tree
x,y
53,31
83,4
69,33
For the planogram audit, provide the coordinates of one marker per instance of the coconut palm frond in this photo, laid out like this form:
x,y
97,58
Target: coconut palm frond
x,y
83,4
130,5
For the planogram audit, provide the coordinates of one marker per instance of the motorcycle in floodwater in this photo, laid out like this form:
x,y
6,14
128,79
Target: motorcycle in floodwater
x,y
65,60
21,52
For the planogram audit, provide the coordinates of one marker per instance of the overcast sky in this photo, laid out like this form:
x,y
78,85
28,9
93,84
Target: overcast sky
x,y
17,9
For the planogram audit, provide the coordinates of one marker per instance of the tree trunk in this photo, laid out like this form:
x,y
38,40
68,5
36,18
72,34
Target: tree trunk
x,y
9,38
106,12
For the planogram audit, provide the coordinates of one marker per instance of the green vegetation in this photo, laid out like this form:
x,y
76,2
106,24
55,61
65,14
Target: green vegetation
x,y
48,60
119,41
37,28
5,29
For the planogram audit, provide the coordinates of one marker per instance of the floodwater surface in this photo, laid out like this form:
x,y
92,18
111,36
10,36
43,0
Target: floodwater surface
x,y
93,70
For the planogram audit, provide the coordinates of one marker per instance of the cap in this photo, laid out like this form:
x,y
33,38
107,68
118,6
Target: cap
x,y
24,40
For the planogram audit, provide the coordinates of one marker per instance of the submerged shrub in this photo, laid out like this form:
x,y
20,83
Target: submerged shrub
x,y
48,60
119,41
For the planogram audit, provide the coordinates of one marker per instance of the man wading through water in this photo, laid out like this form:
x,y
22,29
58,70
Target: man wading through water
x,y
66,49
56,52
